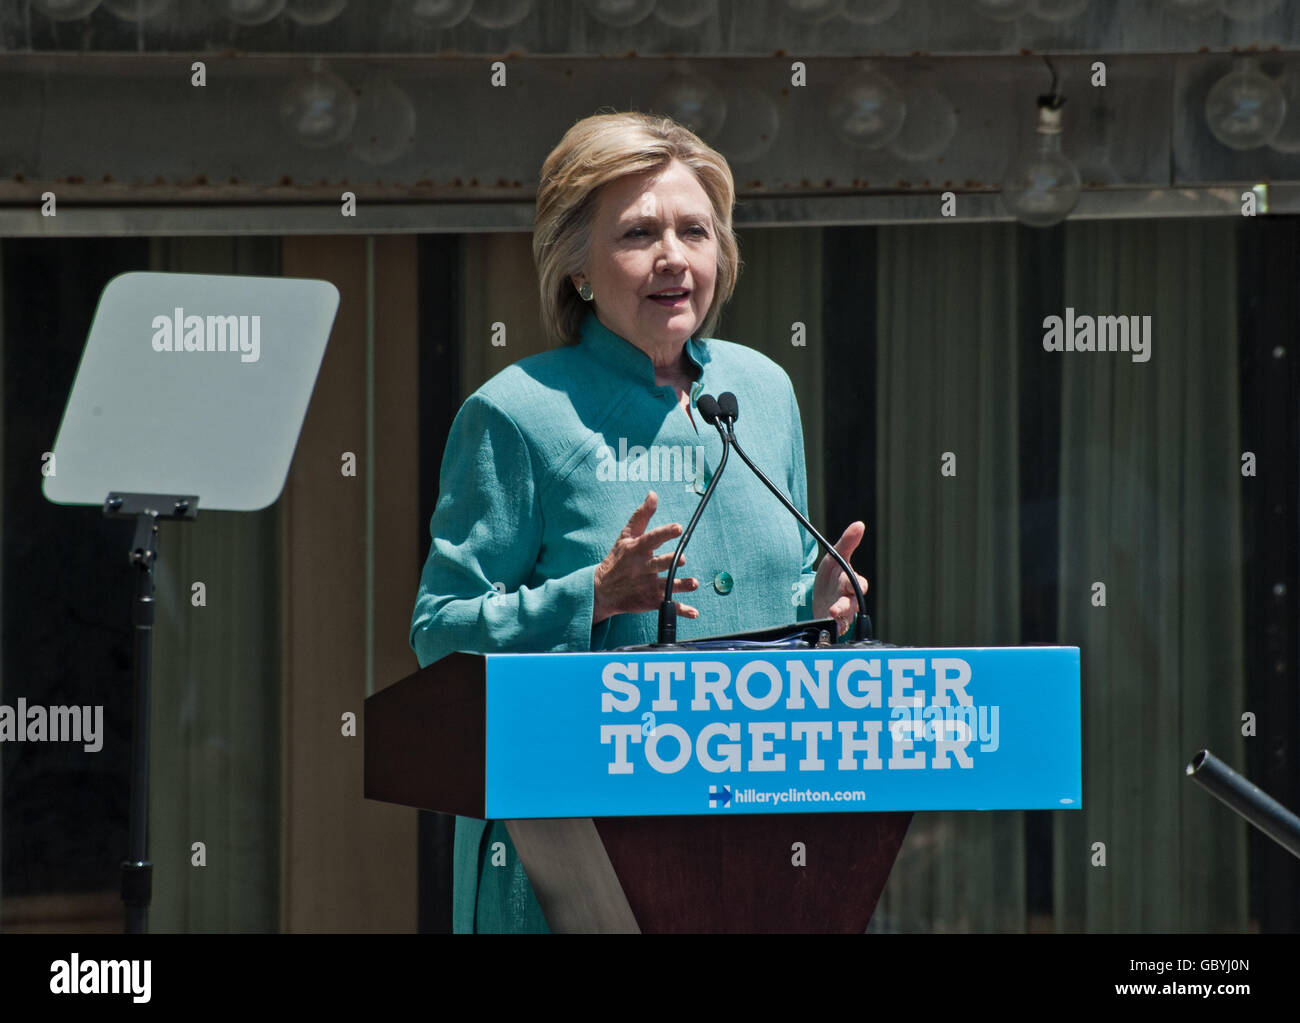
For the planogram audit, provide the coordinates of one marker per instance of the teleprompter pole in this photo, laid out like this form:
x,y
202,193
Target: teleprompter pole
x,y
146,509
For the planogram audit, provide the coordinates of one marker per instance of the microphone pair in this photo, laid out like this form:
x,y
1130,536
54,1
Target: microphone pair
x,y
724,406
722,413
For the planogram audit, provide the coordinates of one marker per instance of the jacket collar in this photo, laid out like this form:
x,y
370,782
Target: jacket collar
x,y
597,340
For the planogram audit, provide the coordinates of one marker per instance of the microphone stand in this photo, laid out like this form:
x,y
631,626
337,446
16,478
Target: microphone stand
x,y
861,621
668,609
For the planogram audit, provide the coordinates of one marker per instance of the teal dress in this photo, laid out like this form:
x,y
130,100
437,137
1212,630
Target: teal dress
x,y
544,465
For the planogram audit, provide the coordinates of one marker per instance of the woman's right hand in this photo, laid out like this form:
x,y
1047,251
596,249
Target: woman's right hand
x,y
628,580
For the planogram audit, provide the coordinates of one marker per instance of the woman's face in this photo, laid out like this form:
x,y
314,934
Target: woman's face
x,y
654,232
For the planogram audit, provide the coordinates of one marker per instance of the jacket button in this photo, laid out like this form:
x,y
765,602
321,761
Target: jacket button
x,y
722,582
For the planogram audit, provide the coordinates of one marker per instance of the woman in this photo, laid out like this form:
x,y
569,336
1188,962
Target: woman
x,y
635,256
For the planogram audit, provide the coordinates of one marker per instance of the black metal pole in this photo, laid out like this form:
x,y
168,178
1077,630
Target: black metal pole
x,y
1246,799
147,510
137,871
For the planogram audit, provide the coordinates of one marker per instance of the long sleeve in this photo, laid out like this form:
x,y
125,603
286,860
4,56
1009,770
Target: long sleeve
x,y
798,490
487,532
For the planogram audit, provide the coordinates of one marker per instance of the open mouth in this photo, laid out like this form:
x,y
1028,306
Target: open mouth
x,y
676,296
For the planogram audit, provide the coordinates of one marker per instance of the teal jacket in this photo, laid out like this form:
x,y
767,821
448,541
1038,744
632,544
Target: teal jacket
x,y
544,465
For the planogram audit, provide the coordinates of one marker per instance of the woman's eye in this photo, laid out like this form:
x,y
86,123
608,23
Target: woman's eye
x,y
696,228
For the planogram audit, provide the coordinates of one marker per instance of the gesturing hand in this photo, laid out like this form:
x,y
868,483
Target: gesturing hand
x,y
628,580
833,595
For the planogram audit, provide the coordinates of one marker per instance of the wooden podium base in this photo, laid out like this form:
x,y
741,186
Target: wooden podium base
x,y
722,872
743,873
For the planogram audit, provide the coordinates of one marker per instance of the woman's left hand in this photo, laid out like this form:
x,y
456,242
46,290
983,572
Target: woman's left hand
x,y
833,595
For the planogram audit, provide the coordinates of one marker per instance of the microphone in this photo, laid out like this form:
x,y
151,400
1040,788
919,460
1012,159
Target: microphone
x,y
708,408
729,410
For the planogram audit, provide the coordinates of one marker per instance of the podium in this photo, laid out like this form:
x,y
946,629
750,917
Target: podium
x,y
713,791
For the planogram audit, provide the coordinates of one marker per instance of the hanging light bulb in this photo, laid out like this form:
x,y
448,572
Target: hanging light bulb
x,y
1041,187
1245,108
693,101
318,108
385,123
929,126
752,123
867,110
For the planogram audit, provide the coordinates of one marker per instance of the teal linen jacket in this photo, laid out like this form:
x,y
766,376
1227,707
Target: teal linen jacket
x,y
544,465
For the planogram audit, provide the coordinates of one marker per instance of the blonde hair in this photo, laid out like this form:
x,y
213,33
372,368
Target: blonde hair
x,y
595,151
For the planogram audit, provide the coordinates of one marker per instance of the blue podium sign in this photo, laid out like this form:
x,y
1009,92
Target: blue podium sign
x,y
769,731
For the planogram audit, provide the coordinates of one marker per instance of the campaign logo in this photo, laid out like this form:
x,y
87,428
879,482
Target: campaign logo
x,y
719,796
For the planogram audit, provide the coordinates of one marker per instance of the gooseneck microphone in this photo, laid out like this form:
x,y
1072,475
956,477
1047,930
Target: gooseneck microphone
x,y
708,409
729,412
